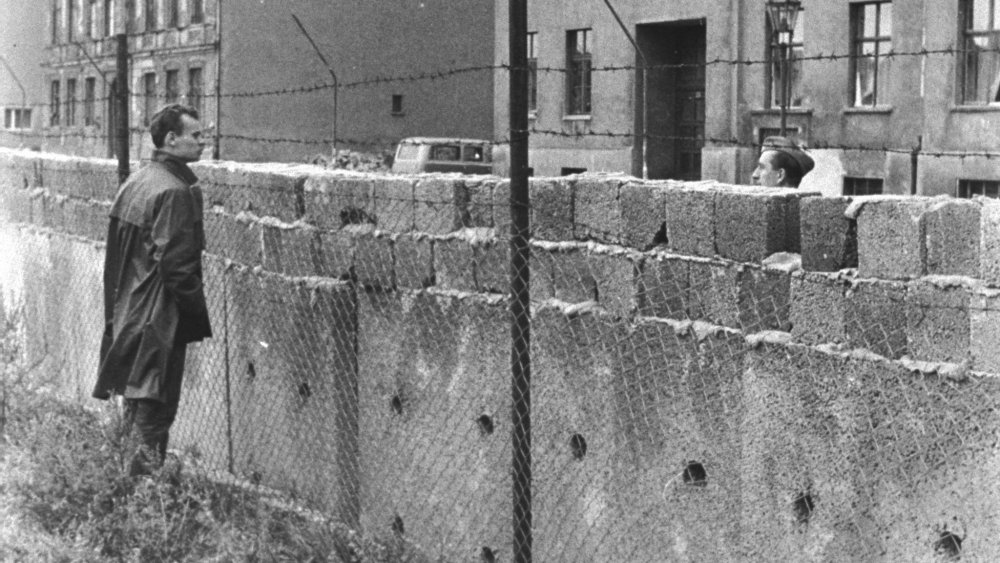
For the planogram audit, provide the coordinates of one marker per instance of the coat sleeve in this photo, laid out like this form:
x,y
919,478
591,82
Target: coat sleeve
x,y
177,250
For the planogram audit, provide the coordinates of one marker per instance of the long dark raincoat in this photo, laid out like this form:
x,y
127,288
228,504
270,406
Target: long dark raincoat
x,y
154,300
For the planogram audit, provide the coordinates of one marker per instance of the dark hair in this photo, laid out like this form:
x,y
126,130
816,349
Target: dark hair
x,y
169,119
793,172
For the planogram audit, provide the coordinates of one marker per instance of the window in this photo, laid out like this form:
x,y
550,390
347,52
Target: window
x,y
988,188
871,41
89,95
445,152
862,186
980,69
578,65
172,89
56,21
108,11
150,13
397,104
196,88
795,64
172,13
71,20
54,104
149,97
532,74
17,118
197,11
71,101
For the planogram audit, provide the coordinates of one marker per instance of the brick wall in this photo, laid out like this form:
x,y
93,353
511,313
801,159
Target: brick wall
x,y
719,373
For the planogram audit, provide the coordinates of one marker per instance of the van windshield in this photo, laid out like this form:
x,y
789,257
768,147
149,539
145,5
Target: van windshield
x,y
408,151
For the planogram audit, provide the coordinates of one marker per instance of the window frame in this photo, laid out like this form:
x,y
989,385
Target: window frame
x,y
89,101
148,96
151,15
70,102
579,72
867,182
56,22
17,115
858,42
55,104
967,34
172,86
532,73
70,24
196,88
196,11
966,188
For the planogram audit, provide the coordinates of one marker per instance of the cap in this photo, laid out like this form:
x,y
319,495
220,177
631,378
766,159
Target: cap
x,y
785,145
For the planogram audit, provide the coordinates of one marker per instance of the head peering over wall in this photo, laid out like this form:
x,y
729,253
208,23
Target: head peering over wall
x,y
782,163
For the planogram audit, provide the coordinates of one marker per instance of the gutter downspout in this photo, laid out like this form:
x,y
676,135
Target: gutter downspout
x,y
217,150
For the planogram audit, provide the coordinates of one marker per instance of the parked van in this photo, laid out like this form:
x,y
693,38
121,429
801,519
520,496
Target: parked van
x,y
443,154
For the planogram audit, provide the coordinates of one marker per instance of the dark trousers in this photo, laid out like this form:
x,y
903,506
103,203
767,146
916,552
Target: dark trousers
x,y
151,421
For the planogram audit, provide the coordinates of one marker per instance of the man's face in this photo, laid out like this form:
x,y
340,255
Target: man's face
x,y
189,145
766,174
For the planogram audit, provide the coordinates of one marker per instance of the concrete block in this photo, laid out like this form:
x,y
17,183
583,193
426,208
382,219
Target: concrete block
x,y
551,209
663,287
479,204
294,388
763,300
500,208
643,212
439,204
100,213
750,223
374,265
39,202
434,419
336,250
806,467
294,251
238,238
395,205
454,264
336,199
817,308
269,193
937,322
829,239
989,256
714,293
17,205
984,331
691,219
876,317
891,238
953,233
414,259
492,266
581,274
596,208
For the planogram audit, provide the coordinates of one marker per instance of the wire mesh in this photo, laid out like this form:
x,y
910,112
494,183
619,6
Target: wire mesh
x,y
685,405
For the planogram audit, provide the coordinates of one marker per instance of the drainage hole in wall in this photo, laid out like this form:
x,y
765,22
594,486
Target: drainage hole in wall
x,y
397,525
251,370
803,506
304,391
487,556
948,547
578,446
396,402
485,425
694,474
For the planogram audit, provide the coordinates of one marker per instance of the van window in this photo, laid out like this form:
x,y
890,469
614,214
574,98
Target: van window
x,y
473,153
445,152
408,151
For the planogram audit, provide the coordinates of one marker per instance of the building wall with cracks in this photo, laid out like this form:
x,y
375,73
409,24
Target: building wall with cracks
x,y
718,373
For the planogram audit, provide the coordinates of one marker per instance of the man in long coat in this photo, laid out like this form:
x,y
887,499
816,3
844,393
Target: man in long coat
x,y
154,300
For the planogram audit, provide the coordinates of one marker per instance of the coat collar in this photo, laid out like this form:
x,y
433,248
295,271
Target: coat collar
x,y
175,166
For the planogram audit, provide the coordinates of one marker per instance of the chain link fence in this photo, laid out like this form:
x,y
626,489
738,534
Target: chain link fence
x,y
683,407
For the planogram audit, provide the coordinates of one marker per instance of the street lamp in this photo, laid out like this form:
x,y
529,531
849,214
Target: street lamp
x,y
782,15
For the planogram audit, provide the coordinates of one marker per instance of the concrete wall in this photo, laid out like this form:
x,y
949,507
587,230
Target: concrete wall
x,y
781,376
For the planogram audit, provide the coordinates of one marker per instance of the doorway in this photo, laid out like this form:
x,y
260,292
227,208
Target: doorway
x,y
675,87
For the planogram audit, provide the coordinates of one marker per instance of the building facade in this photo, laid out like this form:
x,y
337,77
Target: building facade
x,y
892,96
22,84
267,88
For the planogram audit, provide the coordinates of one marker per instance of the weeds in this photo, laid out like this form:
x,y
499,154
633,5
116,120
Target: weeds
x,y
67,496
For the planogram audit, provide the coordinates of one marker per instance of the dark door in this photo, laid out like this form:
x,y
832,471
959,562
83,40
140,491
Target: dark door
x,y
675,89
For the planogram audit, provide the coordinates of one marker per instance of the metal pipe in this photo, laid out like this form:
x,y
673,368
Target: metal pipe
x,y
783,67
123,109
645,87
520,283
336,83
217,149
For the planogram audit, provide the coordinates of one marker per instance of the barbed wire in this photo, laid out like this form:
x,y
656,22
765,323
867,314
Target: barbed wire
x,y
442,74
383,143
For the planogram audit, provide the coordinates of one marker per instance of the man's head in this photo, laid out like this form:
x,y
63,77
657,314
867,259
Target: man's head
x,y
781,164
176,131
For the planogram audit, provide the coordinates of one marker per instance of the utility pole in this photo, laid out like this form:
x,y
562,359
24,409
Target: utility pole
x,y
336,83
520,312
123,110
